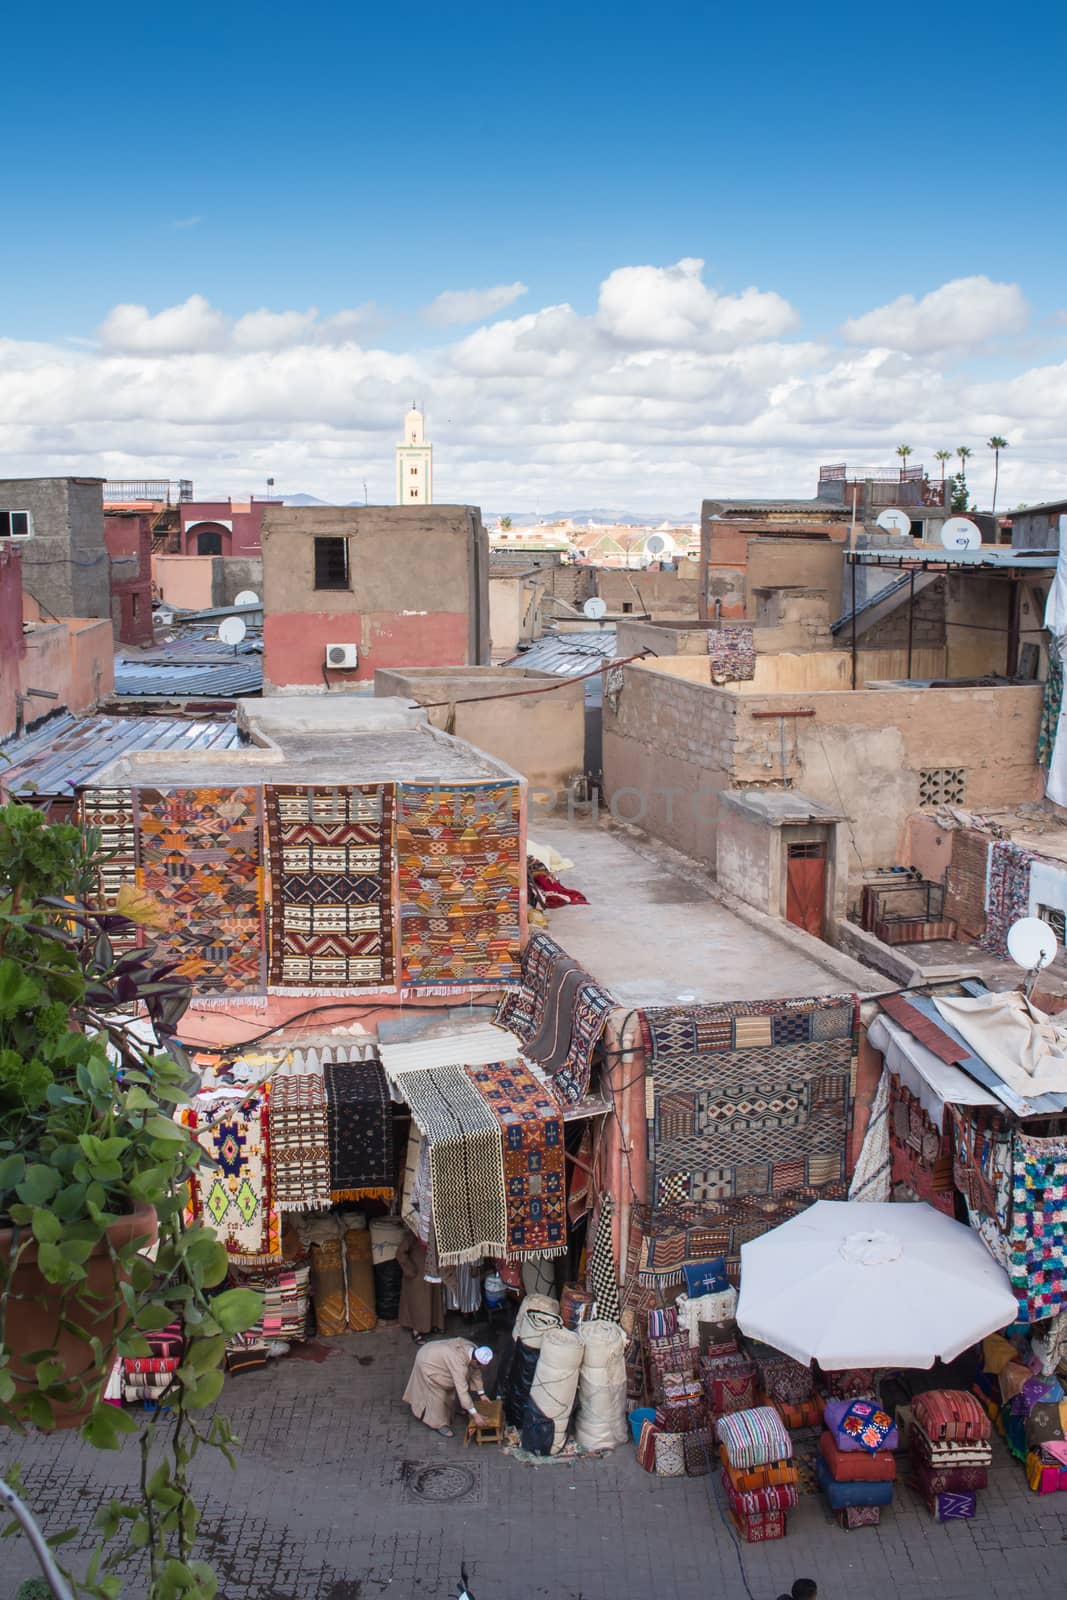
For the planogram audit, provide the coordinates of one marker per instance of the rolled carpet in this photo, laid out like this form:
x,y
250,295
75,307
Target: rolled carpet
x,y
555,1382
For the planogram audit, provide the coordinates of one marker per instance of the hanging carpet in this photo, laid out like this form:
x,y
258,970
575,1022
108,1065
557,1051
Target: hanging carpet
x,y
359,1114
750,1100
331,886
299,1135
110,813
559,1013
1038,1238
461,864
534,1157
1007,894
198,854
466,1164
233,1194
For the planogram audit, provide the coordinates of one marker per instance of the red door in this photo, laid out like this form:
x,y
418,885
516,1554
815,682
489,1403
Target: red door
x,y
805,890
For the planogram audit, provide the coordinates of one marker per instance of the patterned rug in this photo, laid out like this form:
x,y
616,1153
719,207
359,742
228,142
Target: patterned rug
x,y
534,1157
921,1153
750,1100
461,868
110,813
198,853
1007,895
1038,1240
733,654
233,1194
603,1279
466,1164
1051,704
359,1115
299,1137
331,887
559,1013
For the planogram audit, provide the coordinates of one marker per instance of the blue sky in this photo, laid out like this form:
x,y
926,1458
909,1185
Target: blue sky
x,y
329,156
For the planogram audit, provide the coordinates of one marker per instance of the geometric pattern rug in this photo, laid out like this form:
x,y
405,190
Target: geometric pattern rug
x,y
233,1192
1038,1238
559,1013
110,813
359,1114
749,1098
331,886
198,852
299,1137
461,873
534,1158
466,1163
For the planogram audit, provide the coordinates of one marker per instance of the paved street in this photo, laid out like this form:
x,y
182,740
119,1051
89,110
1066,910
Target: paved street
x,y
329,1502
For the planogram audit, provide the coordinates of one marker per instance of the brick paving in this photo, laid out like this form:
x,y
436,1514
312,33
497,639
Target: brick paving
x,y
325,1505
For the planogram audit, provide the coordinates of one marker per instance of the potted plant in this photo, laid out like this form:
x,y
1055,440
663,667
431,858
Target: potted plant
x,y
94,1248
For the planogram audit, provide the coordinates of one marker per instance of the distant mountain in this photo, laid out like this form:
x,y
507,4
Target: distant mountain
x,y
637,519
303,500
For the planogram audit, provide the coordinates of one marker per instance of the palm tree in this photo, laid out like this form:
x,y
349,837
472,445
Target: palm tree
x,y
505,523
960,494
963,451
996,444
942,456
903,451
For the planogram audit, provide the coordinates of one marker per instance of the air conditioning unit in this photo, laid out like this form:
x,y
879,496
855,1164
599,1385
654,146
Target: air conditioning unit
x,y
342,657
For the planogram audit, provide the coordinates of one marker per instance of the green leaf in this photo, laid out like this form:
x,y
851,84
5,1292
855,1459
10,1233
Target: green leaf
x,y
237,1309
48,1372
46,1226
7,1386
164,1128
153,1316
11,1171
105,1425
206,1390
57,1267
38,1186
204,1354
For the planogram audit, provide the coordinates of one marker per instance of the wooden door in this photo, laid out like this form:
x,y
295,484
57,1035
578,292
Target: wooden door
x,y
805,891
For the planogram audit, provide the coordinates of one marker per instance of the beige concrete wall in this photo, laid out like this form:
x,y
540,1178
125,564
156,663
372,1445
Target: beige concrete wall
x,y
794,564
661,594
928,846
688,638
74,659
509,599
189,583
540,735
861,752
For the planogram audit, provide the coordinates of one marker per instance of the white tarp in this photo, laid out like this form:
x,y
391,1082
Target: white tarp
x,y
933,1082
855,1284
1023,1045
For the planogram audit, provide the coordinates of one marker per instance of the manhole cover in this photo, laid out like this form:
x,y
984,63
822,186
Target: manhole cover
x,y
440,1483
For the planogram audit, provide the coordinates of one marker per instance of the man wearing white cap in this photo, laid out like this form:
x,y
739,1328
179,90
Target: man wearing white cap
x,y
447,1371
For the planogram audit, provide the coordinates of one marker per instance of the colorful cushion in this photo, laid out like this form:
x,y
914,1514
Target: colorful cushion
x,y
646,1447
1047,1420
997,1353
946,1453
753,1437
763,1477
706,1277
1011,1380
730,1383
865,1424
662,1322
700,1453
856,1466
1034,1391
759,1529
853,1383
930,1480
834,1413
951,1414
840,1495
670,1455
808,1414
752,1502
1044,1473
952,1507
681,1416
859,1516
781,1377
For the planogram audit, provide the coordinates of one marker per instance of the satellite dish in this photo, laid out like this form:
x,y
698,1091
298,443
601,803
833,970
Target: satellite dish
x,y
595,608
893,520
232,630
247,597
1031,943
654,544
960,533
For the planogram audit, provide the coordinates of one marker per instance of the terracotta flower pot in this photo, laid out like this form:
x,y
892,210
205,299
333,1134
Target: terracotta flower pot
x,y
95,1305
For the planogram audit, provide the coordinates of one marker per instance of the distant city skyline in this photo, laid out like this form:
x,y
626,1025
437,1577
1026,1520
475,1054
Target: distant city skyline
x,y
753,243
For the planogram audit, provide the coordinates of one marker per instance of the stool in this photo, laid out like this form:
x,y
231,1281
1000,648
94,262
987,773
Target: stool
x,y
492,1431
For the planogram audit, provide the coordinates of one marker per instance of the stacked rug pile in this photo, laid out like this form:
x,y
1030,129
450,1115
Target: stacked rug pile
x,y
951,1451
759,1475
538,1315
286,1300
730,1383
856,1469
145,1379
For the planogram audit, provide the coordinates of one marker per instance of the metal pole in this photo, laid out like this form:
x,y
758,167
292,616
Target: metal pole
x,y
911,614
22,1514
852,564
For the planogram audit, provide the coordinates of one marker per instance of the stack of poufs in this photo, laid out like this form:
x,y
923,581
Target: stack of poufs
x,y
856,1469
759,1475
951,1451
730,1383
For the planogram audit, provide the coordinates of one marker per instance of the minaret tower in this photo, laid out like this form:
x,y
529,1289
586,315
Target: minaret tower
x,y
414,463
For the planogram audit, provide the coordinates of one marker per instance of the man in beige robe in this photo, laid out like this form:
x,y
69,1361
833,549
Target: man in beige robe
x,y
445,1373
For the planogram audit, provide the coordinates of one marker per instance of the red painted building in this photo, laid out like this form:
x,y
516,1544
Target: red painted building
x,y
128,536
222,527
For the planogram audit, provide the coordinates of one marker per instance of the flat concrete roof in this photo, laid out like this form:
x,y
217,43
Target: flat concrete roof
x,y
779,807
654,928
314,739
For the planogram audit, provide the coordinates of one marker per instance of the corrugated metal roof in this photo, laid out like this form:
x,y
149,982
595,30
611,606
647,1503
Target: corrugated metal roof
x,y
66,753
568,655
181,680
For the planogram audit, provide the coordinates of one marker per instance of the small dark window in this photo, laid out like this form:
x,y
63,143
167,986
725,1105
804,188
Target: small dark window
x,y
209,543
1055,919
807,850
14,524
331,563
627,606
134,608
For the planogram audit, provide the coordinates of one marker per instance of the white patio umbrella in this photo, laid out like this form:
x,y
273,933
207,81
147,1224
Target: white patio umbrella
x,y
871,1284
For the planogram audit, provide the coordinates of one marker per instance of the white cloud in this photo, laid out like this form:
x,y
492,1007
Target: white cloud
x,y
455,306
960,315
667,391
187,222
194,325
673,306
